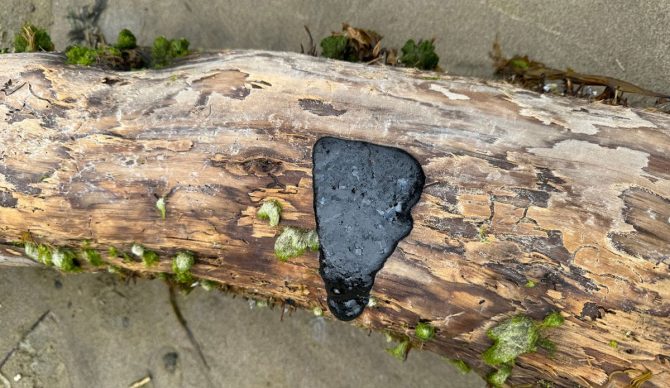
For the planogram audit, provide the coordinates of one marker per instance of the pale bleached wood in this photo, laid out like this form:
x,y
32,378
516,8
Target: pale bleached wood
x,y
572,195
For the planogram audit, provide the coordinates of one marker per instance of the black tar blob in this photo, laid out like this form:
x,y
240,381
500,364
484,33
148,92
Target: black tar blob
x,y
363,194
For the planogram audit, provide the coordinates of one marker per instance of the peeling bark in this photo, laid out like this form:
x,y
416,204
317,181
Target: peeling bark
x,y
574,196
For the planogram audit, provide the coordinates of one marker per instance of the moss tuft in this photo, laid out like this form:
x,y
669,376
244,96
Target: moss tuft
x,y
552,320
461,365
40,253
64,259
92,256
31,39
207,285
498,377
424,331
511,338
420,55
530,283
160,205
400,350
44,254
270,210
179,47
514,337
165,50
30,250
126,40
613,344
181,266
312,240
150,258
112,252
335,47
293,242
82,56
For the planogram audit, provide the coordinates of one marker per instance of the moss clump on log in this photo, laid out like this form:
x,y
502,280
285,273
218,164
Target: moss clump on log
x,y
514,337
31,39
270,210
181,266
293,242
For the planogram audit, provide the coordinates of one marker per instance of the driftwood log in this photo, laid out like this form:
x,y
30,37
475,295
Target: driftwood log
x,y
532,203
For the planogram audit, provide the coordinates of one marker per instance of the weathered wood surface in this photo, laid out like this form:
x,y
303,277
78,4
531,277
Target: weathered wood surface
x,y
572,195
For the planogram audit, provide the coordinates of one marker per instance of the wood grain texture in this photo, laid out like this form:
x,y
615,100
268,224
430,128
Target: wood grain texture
x,y
572,195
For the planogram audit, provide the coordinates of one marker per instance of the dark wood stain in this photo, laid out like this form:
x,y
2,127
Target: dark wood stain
x,y
7,199
649,214
319,107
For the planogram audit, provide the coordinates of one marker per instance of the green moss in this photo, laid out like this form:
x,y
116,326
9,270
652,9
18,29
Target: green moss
x,y
31,39
312,240
511,338
530,284
519,64
514,337
400,350
40,253
498,378
179,47
165,50
270,210
64,259
262,303
335,47
85,56
207,285
461,365
113,252
109,51
424,331
160,205
160,51
82,56
181,266
150,258
293,242
30,250
421,55
554,319
613,344
92,256
44,254
126,40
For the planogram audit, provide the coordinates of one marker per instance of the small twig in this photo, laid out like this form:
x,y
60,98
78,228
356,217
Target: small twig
x,y
23,338
9,93
312,47
140,383
184,324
